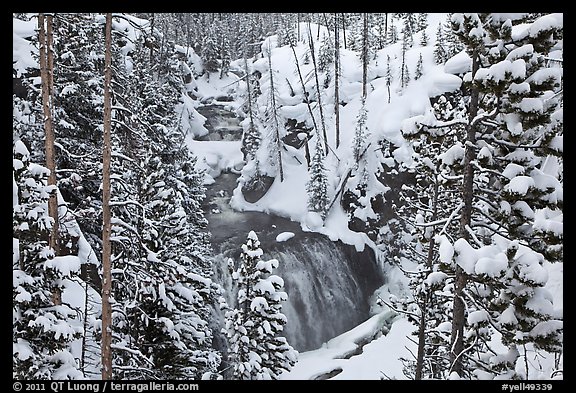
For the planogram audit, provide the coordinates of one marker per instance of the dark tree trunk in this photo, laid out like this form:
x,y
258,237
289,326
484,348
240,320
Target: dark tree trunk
x,y
458,313
106,217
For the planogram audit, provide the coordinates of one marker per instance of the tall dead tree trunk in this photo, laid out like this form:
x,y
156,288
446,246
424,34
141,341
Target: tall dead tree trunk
x,y
152,41
344,29
336,79
106,217
424,303
459,308
45,37
46,64
307,100
275,115
319,98
365,44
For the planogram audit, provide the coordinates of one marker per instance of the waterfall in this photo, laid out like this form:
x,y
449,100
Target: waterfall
x,y
328,283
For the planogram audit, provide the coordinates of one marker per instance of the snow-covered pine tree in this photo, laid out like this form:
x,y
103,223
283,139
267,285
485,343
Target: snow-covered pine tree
x,y
272,141
406,44
453,44
419,71
408,31
381,24
354,37
317,186
363,189
424,40
498,256
513,95
405,76
161,290
421,21
78,88
429,216
210,52
253,327
392,33
360,135
440,55
325,54
251,138
42,330
388,75
225,51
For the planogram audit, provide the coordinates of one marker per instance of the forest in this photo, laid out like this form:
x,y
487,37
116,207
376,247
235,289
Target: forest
x,y
272,196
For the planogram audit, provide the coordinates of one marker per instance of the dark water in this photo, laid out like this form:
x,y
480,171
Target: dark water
x,y
328,283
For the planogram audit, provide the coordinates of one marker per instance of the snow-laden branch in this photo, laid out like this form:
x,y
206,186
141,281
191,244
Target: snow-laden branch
x,y
485,116
58,145
491,137
416,316
473,235
128,202
443,124
452,217
432,223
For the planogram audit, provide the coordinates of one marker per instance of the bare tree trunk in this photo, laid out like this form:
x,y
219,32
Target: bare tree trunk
x,y
249,91
307,148
426,300
344,29
106,218
322,122
365,44
45,37
152,38
298,22
458,312
46,61
336,79
326,23
385,25
275,115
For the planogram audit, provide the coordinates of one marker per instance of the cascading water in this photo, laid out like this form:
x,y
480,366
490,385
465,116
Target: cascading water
x,y
328,283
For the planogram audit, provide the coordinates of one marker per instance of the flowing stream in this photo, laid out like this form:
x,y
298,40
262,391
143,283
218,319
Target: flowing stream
x,y
329,284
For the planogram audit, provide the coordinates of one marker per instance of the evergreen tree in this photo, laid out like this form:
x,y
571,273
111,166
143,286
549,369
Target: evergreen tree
x,y
251,138
408,32
43,330
253,327
418,72
160,286
429,206
512,208
406,44
497,240
405,76
210,52
440,55
354,41
453,44
393,34
421,21
272,120
325,53
360,134
424,38
225,54
317,186
388,75
380,22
